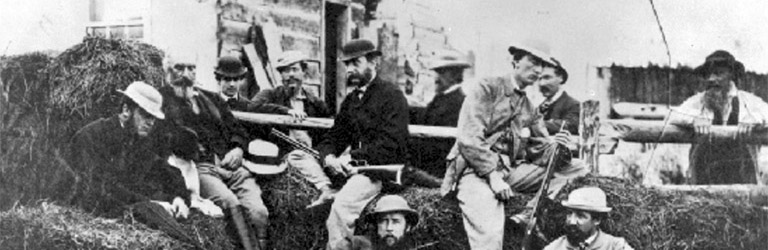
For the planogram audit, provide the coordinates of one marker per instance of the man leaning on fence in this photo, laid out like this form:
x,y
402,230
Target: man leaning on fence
x,y
373,122
723,160
493,160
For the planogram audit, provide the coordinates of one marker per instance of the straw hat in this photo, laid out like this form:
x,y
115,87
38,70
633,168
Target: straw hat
x,y
587,199
263,159
536,48
290,57
146,96
449,59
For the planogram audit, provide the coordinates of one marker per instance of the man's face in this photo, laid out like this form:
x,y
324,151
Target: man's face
x,y
142,121
230,86
549,82
447,77
293,75
183,70
359,71
391,228
579,225
527,70
719,78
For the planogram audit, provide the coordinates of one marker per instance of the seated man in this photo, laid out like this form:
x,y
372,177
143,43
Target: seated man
x,y
120,167
393,221
587,208
722,103
558,108
222,140
373,124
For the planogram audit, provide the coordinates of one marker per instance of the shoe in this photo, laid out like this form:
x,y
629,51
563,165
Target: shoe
x,y
327,196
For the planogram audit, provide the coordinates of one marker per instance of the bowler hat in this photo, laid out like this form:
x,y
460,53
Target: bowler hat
x,y
288,58
146,96
588,199
720,58
392,204
357,48
449,59
230,66
536,48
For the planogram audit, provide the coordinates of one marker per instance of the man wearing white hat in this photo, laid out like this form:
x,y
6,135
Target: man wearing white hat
x,y
120,167
587,208
292,98
492,158
429,153
393,220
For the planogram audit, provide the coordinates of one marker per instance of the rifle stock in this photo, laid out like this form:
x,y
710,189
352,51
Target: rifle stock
x,y
393,172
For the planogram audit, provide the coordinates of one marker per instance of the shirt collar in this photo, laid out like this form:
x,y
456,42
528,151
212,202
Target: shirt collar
x,y
452,89
177,162
734,91
589,241
225,97
511,86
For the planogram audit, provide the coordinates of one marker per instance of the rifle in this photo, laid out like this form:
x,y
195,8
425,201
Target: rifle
x,y
295,143
526,245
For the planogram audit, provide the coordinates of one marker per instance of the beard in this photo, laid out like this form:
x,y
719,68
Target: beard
x,y
575,236
717,100
358,79
293,84
390,242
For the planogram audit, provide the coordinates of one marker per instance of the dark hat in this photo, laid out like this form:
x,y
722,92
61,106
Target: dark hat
x,y
536,48
357,48
720,58
230,66
391,204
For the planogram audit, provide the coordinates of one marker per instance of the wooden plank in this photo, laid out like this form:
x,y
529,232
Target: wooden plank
x,y
651,131
755,194
326,123
258,70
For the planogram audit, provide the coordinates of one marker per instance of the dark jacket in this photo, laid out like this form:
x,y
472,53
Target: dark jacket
x,y
217,129
119,168
563,109
376,127
429,153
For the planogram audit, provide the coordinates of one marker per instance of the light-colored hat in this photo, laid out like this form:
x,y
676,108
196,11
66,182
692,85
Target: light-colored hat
x,y
262,158
290,57
449,59
146,96
536,48
394,203
587,199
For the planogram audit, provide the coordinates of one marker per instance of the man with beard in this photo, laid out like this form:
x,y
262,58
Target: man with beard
x,y
373,123
587,208
222,142
502,148
429,153
558,107
293,99
393,220
722,161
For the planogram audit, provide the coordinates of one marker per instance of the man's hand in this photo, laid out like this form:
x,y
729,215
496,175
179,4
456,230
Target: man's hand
x,y
297,114
563,138
702,126
206,207
179,209
233,159
335,164
500,188
746,130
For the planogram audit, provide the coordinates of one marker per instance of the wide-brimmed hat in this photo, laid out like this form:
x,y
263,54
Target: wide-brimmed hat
x,y
357,48
449,59
559,67
391,204
536,48
588,199
290,57
230,66
146,96
263,158
720,58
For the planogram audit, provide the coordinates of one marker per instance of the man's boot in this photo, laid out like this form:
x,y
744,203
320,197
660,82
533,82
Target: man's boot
x,y
243,233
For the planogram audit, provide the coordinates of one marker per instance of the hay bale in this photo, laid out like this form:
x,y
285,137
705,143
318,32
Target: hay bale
x,y
21,78
646,217
86,75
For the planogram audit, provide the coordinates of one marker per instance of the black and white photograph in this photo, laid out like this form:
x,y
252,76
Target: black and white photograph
x,y
384,124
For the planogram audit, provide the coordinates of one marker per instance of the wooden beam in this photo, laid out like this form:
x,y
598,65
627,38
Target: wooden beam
x,y
418,131
651,131
755,194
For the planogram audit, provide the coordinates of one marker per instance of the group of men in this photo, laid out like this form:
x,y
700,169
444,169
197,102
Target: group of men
x,y
180,147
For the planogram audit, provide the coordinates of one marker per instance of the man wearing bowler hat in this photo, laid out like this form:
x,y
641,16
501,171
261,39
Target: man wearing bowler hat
x,y
429,153
222,143
503,148
586,210
393,221
722,161
373,122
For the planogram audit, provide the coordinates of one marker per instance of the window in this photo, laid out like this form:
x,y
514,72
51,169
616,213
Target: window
x,y
118,19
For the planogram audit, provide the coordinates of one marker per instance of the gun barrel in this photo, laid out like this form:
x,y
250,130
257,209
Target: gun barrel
x,y
392,172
